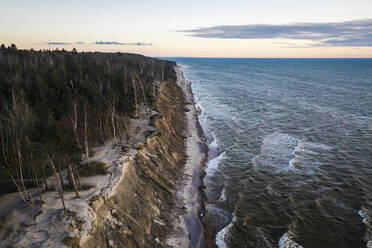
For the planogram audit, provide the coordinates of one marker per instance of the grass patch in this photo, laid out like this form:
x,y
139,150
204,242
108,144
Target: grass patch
x,y
71,242
94,168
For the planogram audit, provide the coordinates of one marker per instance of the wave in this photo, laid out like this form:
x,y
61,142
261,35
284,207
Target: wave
x,y
214,144
286,241
366,220
199,108
222,234
271,191
276,151
260,235
223,195
212,165
361,214
288,154
214,155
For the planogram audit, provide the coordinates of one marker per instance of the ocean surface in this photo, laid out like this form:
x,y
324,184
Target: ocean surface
x,y
290,160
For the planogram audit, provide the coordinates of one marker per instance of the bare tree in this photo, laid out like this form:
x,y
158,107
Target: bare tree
x,y
71,173
112,114
36,176
143,94
135,94
86,134
125,78
15,125
74,120
58,185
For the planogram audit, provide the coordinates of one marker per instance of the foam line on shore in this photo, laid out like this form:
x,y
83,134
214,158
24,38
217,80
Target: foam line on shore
x,y
222,234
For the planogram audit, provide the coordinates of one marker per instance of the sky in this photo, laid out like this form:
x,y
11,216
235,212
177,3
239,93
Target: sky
x,y
193,28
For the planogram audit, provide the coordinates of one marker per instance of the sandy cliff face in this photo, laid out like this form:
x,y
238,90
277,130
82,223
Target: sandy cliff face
x,y
138,213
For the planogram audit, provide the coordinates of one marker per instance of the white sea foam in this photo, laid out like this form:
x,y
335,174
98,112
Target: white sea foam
x,y
311,146
222,196
212,165
369,244
222,234
289,154
218,213
214,144
198,107
271,191
276,151
286,241
362,213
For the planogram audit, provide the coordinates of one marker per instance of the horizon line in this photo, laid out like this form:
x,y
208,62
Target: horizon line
x,y
201,57
261,57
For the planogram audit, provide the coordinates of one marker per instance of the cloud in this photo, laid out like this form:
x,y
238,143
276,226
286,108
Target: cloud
x,y
122,43
350,33
64,43
58,43
103,43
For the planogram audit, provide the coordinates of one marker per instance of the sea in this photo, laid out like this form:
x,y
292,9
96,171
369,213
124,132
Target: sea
x,y
290,150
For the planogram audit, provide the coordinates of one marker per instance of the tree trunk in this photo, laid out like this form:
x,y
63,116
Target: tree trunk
x,y
107,125
135,100
125,78
76,172
45,181
60,176
36,175
4,146
58,186
37,182
125,129
21,174
86,134
144,96
25,200
121,138
113,120
73,180
100,129
74,120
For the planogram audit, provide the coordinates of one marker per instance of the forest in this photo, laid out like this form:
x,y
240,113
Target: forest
x,y
55,106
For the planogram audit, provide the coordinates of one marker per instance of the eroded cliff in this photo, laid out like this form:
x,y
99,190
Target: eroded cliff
x,y
138,213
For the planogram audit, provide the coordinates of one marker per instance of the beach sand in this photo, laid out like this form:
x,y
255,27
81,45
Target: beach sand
x,y
188,230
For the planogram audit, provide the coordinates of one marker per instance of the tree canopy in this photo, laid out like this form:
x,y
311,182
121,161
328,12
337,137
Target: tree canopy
x,y
57,102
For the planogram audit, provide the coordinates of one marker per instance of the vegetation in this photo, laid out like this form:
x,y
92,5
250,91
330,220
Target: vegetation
x,y
71,242
56,105
93,169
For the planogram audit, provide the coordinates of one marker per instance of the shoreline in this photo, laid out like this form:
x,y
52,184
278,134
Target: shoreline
x,y
110,214
112,208
188,227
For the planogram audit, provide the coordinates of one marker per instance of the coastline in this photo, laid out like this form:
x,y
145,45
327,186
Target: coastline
x,y
188,228
171,164
132,207
138,215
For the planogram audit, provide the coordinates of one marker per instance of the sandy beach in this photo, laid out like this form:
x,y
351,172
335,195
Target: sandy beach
x,y
188,230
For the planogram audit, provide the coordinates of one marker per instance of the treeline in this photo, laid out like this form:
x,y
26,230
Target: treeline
x,y
56,105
